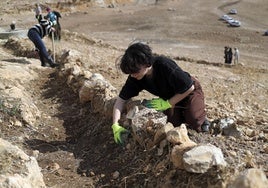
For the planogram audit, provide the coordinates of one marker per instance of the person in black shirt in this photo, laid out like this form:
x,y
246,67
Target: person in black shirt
x,y
226,54
180,95
35,34
230,55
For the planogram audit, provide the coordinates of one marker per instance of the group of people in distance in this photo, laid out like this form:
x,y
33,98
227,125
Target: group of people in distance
x,y
52,16
46,25
229,54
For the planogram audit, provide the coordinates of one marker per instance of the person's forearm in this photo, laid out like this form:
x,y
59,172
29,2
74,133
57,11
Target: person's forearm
x,y
118,108
178,97
116,115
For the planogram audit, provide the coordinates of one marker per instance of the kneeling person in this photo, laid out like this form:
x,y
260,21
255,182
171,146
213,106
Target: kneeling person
x,y
180,95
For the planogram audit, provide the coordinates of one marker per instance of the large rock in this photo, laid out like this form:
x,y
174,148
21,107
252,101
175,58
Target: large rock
x,y
18,170
145,123
203,157
178,135
161,133
24,104
178,151
13,77
91,87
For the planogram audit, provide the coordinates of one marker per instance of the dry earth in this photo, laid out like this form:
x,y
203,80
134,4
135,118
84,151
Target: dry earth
x,y
81,142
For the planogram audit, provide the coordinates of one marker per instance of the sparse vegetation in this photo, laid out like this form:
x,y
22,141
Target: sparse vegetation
x,y
9,108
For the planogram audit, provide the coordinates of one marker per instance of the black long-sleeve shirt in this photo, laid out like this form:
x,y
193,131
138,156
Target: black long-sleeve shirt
x,y
167,79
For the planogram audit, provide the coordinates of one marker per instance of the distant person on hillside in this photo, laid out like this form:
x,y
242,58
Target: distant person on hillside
x,y
38,12
51,16
236,56
54,16
57,14
230,55
13,25
226,54
35,34
180,95
57,26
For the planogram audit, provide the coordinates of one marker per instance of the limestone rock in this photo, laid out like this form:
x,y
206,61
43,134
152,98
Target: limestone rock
x,y
145,124
203,157
96,85
18,169
178,135
162,133
178,151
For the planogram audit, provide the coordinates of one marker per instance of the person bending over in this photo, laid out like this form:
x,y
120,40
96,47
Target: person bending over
x,y
35,34
180,95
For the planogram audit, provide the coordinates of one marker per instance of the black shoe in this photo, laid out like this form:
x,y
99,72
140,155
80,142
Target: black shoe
x,y
45,65
53,65
205,126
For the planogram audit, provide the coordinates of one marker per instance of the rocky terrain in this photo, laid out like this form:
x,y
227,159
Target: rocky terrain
x,y
42,112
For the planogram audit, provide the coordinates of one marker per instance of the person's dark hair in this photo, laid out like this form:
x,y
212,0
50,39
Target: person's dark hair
x,y
136,55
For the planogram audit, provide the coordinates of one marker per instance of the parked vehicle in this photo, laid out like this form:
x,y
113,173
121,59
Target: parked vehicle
x,y
225,17
230,20
235,23
266,33
233,11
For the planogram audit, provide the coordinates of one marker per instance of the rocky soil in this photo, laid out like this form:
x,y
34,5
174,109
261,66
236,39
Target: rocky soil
x,y
75,144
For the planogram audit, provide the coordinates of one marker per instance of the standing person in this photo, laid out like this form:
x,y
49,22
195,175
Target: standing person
x,y
38,12
13,25
35,34
58,26
51,16
180,95
230,55
226,54
54,16
236,56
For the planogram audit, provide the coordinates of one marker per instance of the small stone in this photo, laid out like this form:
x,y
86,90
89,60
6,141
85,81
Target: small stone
x,y
53,166
35,153
265,148
17,123
91,173
116,175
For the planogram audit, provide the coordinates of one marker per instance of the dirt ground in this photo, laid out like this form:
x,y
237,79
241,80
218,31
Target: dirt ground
x,y
81,142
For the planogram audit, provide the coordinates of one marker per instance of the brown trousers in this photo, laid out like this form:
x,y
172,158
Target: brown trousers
x,y
191,110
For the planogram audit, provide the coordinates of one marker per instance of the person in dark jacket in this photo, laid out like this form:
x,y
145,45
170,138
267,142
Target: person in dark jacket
x,y
54,17
230,56
226,54
58,26
51,16
180,95
36,33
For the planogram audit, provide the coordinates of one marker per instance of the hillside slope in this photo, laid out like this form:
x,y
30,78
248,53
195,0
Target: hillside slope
x,y
80,141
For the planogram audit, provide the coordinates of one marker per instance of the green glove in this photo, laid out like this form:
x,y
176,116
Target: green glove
x,y
120,133
158,104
